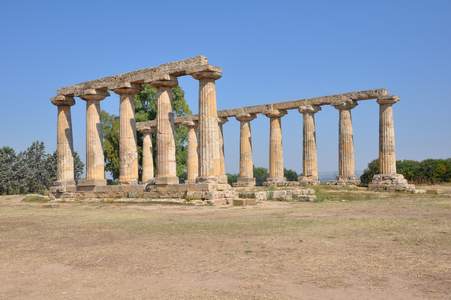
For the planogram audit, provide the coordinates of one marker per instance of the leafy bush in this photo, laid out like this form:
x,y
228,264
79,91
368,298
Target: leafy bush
x,y
428,171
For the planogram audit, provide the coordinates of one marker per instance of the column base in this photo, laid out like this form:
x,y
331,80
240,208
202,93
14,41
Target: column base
x,y
351,180
275,181
166,180
308,180
92,182
207,179
390,183
223,179
244,181
128,181
63,186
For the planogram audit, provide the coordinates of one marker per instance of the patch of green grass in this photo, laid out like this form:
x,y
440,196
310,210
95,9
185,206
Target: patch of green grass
x,y
36,199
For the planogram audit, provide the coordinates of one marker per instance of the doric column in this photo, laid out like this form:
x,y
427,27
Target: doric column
x,y
222,177
95,165
276,164
388,179
147,165
346,160
309,152
246,177
128,152
65,151
387,151
192,163
209,148
166,164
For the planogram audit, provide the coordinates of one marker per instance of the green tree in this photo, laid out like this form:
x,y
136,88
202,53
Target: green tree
x,y
145,110
232,178
369,172
8,174
260,174
290,175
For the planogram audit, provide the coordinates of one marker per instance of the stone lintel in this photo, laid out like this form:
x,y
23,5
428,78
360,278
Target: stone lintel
x,y
223,120
295,104
62,100
177,68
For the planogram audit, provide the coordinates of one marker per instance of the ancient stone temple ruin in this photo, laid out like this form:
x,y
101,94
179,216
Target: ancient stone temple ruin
x,y
206,178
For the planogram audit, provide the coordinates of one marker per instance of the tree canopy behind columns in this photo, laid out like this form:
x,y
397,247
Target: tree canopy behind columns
x,y
145,110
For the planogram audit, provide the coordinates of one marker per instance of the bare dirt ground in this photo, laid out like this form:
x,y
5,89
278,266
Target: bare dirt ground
x,y
350,246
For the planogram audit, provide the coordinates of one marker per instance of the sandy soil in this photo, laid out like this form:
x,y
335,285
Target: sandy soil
x,y
390,247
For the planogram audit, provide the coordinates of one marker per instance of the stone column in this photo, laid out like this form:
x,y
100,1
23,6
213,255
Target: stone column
x,y
128,152
209,149
65,151
309,153
346,160
192,163
147,165
388,179
166,164
246,177
95,165
276,164
222,177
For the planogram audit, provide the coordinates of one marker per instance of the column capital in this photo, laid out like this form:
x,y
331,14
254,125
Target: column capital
x,y
245,117
63,100
275,113
94,94
207,74
346,105
388,100
309,109
189,123
222,120
147,130
164,82
127,89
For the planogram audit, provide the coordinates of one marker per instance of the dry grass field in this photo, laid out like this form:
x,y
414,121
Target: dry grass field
x,y
350,245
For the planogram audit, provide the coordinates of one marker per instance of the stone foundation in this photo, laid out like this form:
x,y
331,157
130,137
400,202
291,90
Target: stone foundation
x,y
187,194
390,183
352,180
308,180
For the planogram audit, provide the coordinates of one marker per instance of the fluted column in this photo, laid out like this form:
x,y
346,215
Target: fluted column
x,y
387,151
209,148
65,155
276,163
147,165
192,163
166,164
95,165
309,152
128,152
222,177
246,177
346,159
388,179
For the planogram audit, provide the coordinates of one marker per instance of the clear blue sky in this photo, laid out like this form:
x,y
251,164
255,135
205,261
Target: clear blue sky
x,y
269,51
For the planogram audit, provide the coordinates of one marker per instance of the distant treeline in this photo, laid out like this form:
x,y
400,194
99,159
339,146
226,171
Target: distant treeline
x,y
30,171
428,171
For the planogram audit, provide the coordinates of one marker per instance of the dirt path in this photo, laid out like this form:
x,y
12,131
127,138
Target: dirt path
x,y
391,248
